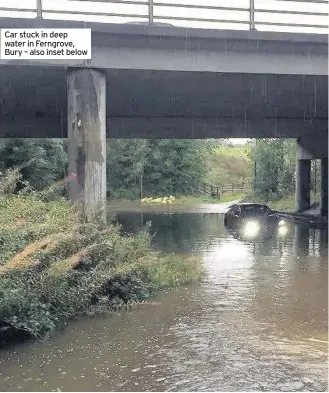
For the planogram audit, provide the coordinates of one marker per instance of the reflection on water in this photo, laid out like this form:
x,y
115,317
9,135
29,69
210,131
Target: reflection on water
x,y
258,321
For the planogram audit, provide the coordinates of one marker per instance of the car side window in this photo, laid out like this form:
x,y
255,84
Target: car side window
x,y
264,209
235,210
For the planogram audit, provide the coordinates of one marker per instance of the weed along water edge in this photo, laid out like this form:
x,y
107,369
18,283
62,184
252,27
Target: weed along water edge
x,y
55,267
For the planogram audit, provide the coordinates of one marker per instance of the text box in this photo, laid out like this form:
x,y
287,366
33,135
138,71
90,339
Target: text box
x,y
33,44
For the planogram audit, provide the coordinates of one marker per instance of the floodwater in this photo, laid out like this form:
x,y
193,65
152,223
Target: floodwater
x,y
257,321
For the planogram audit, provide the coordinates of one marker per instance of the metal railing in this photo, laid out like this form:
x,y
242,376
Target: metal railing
x,y
152,11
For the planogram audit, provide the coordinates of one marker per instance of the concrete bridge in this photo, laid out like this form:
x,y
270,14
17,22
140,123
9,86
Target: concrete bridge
x,y
170,82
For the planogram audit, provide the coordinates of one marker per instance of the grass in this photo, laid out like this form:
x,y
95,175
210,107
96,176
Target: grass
x,y
54,266
285,204
232,197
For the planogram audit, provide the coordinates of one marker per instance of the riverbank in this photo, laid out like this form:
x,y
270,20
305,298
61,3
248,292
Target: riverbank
x,y
54,268
285,204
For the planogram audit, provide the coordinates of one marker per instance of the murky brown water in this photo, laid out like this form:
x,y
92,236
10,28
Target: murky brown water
x,y
258,321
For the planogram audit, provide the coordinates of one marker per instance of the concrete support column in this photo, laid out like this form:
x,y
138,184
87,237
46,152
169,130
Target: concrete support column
x,y
323,243
301,240
324,186
86,99
303,185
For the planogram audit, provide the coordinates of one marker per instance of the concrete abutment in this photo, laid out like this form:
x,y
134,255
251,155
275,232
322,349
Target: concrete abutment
x,y
309,148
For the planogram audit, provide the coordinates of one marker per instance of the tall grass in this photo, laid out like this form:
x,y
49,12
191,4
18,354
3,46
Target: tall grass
x,y
285,204
54,266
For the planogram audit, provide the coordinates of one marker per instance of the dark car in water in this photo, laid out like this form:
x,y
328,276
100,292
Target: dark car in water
x,y
254,221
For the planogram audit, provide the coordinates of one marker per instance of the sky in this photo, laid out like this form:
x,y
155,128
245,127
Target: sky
x,y
160,12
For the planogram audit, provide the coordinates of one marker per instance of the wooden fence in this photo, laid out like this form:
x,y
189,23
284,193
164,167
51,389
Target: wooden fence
x,y
219,190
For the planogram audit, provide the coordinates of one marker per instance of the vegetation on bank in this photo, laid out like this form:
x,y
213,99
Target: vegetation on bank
x,y
285,204
135,167
163,200
272,172
274,169
208,199
178,168
188,199
227,163
54,266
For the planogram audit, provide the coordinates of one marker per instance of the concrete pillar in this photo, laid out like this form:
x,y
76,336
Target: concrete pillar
x,y
303,185
324,186
86,99
301,240
323,243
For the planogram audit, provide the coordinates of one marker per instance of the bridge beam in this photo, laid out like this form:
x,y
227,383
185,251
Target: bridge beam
x,y
54,125
86,126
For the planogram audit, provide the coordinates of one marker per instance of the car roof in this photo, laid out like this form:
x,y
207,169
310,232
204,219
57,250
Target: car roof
x,y
249,204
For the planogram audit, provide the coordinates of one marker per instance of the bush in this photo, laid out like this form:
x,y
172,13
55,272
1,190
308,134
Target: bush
x,y
54,267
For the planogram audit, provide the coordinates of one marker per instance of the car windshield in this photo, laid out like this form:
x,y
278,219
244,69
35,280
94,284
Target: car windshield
x,y
255,210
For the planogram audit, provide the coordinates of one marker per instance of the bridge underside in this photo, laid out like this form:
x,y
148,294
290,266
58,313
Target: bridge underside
x,y
169,104
170,83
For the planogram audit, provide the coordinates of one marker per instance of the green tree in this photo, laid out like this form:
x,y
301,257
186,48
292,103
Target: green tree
x,y
126,160
288,168
167,166
275,163
228,164
47,159
174,166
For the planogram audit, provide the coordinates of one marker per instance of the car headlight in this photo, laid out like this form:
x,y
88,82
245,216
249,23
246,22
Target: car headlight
x,y
251,228
283,230
281,222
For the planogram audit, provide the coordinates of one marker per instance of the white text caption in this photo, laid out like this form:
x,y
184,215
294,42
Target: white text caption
x,y
26,44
